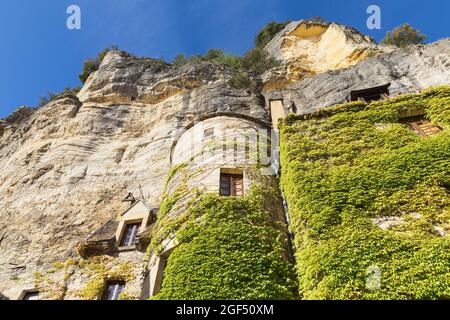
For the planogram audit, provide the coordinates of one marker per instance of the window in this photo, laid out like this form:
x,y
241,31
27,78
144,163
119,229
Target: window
x,y
421,126
370,94
208,133
145,291
208,138
31,295
113,290
231,184
158,271
165,260
129,234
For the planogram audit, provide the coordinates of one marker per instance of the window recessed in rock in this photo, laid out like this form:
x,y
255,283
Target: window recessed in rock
x,y
113,290
129,234
421,126
31,295
370,94
231,185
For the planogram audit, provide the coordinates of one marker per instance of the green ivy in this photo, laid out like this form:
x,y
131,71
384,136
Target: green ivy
x,y
229,248
344,167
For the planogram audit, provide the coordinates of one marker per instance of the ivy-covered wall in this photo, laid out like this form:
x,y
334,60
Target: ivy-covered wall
x,y
228,248
346,168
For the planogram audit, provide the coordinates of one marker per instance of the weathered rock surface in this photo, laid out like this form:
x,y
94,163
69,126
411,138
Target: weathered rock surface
x,y
320,46
67,166
311,47
408,70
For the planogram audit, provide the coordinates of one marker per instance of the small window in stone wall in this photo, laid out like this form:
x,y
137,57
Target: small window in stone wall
x,y
31,295
208,138
208,133
370,94
421,126
113,290
129,234
231,185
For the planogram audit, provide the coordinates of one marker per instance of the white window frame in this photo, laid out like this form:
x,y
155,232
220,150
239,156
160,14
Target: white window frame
x,y
122,229
116,292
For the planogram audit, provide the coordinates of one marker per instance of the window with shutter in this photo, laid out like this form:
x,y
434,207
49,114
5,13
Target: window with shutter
x,y
421,126
113,290
129,234
231,185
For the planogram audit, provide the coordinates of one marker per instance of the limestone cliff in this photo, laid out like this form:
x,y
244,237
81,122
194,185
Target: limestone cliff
x,y
407,70
310,47
67,166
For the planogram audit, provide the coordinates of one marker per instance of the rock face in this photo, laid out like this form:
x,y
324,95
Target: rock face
x,y
321,46
311,47
67,166
408,70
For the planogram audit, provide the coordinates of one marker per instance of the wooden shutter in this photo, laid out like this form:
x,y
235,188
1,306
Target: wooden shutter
x,y
237,185
225,185
425,128
231,184
421,126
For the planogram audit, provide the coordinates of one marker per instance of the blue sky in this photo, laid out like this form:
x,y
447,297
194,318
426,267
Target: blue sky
x,y
39,54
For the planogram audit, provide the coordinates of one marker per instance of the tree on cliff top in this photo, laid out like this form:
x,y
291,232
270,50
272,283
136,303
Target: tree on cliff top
x,y
44,100
268,32
213,55
403,36
92,65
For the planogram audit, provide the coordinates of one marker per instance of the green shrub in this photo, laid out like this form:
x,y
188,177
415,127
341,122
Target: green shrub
x,y
44,100
403,36
180,60
241,80
258,61
266,34
229,248
255,61
213,55
92,65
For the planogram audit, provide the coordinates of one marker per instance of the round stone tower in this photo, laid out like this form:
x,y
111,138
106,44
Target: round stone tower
x,y
230,160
